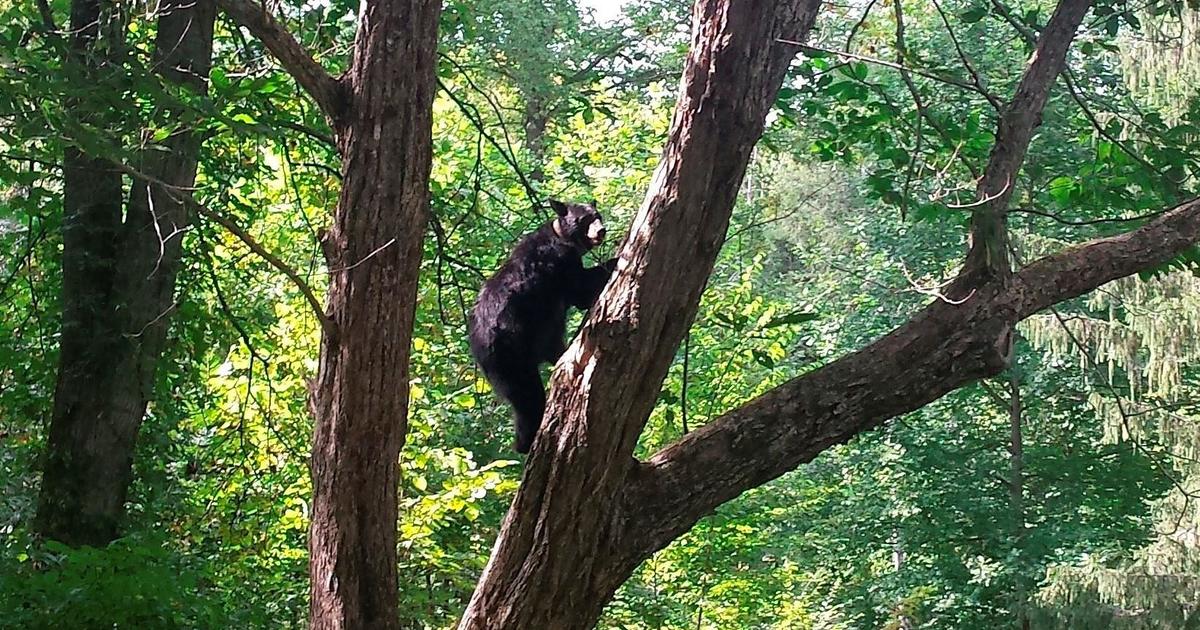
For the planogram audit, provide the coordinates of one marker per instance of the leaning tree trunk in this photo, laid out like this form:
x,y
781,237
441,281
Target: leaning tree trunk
x,y
118,283
564,549
360,397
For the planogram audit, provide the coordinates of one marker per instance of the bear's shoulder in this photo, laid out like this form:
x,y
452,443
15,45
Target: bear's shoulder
x,y
544,246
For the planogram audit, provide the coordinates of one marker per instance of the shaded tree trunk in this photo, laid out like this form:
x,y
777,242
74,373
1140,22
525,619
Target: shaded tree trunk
x,y
534,121
382,113
118,283
360,397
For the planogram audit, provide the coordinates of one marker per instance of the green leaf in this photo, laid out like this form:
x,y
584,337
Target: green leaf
x,y
973,15
796,317
1061,188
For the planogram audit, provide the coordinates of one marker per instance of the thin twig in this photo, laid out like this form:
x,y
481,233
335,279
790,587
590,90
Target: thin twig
x,y
975,76
858,25
808,48
1063,221
184,196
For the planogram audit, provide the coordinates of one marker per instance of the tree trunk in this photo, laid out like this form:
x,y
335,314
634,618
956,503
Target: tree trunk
x,y
360,397
565,547
534,122
118,286
1016,498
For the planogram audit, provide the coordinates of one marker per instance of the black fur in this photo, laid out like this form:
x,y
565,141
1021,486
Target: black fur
x,y
520,317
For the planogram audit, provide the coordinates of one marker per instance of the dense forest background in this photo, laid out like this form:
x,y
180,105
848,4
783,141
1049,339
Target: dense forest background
x,y
1062,493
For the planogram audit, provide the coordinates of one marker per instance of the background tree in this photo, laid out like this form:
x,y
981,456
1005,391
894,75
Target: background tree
x,y
119,264
380,111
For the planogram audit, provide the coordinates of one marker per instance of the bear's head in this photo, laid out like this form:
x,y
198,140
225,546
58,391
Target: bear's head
x,y
578,223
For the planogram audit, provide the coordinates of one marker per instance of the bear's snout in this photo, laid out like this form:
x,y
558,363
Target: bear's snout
x,y
596,232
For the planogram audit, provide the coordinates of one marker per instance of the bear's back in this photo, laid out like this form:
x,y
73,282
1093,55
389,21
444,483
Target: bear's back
x,y
527,296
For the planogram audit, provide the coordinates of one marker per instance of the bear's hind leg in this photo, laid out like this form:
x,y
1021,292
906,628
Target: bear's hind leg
x,y
522,386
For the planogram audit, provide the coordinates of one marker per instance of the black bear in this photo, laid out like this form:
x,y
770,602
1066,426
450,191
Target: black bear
x,y
520,317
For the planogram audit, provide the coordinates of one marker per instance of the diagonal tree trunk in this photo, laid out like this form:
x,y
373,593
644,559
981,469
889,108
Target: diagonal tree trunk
x,y
564,547
587,512
118,284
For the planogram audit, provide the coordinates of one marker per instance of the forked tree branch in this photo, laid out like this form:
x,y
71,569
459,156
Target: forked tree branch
x,y
988,254
326,90
941,349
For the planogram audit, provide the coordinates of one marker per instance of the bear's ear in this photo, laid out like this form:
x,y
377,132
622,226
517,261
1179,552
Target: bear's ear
x,y
559,207
592,203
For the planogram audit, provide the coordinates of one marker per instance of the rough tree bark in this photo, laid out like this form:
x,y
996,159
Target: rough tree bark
x,y
118,284
381,112
564,547
587,512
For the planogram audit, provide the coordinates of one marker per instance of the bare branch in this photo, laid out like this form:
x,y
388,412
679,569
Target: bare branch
x,y
1055,217
858,25
185,197
308,131
476,119
962,55
323,87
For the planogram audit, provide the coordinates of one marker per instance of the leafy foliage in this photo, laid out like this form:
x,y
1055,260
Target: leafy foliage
x,y
850,219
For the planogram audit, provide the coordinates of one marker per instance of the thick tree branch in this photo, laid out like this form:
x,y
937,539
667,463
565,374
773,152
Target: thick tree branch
x,y
988,255
326,90
1080,269
941,349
